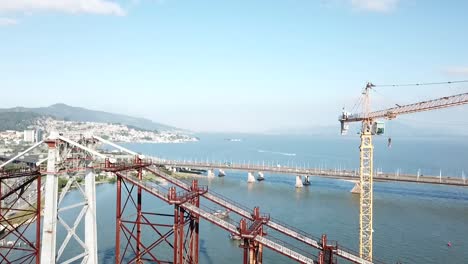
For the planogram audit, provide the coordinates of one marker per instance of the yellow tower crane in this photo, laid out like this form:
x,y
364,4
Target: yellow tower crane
x,y
370,127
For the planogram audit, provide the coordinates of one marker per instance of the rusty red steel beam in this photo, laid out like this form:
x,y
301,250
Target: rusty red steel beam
x,y
296,234
208,216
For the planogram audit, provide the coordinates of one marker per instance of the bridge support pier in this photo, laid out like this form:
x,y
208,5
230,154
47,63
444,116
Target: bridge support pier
x,y
210,174
90,217
221,173
356,189
299,181
49,228
306,180
250,177
260,177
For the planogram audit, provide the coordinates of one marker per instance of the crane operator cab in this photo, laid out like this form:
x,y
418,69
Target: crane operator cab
x,y
378,128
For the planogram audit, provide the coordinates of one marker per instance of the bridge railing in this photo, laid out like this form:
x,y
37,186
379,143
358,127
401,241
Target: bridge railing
x,y
232,202
299,231
287,249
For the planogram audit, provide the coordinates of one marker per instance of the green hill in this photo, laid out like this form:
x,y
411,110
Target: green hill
x,y
17,120
71,113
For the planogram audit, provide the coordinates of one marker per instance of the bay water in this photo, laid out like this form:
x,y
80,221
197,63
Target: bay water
x,y
413,223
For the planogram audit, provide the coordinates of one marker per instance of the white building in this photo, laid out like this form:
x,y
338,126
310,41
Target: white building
x,y
29,136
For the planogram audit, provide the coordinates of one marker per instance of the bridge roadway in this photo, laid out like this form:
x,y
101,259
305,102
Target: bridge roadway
x,y
326,173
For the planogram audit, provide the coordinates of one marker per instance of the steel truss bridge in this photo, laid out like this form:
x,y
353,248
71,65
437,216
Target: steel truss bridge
x,y
24,238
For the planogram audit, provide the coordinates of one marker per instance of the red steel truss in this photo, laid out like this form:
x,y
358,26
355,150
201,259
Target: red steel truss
x,y
253,250
185,224
20,211
181,235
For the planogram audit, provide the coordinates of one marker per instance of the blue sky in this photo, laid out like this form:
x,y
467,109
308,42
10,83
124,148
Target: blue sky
x,y
245,66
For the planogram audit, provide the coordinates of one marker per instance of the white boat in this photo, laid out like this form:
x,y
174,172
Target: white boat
x,y
221,214
234,139
233,236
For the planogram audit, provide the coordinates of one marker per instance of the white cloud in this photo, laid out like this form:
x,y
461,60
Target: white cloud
x,y
4,21
101,7
375,5
457,71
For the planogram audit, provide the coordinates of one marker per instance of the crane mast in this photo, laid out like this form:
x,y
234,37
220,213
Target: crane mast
x,y
369,128
366,180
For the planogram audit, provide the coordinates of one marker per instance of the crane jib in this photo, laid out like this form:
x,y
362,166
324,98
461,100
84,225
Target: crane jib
x,y
391,113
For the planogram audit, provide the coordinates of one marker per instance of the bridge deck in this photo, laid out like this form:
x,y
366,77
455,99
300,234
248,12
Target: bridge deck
x,y
327,173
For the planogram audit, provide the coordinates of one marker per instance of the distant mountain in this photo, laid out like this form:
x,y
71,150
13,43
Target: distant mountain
x,y
79,114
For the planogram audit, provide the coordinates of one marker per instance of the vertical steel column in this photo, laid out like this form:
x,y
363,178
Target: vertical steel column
x,y
118,221
260,249
38,219
90,217
194,227
326,255
366,196
1,200
246,250
138,220
178,235
181,237
48,253
252,252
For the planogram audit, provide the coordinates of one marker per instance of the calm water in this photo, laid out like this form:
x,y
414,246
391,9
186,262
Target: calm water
x,y
413,223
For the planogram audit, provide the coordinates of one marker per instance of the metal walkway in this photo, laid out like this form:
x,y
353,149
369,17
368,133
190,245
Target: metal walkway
x,y
274,224
162,194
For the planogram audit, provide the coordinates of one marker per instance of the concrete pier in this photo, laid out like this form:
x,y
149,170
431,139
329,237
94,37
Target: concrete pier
x,y
250,178
299,181
357,188
306,180
260,176
210,174
221,173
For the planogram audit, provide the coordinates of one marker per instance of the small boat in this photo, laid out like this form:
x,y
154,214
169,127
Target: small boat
x,y
233,139
306,181
221,214
233,236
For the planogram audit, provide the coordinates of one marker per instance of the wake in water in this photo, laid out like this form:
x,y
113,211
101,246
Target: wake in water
x,y
278,153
